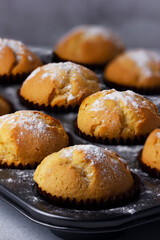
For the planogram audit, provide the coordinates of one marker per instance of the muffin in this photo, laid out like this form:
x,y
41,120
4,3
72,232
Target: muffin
x,y
85,175
26,137
58,86
88,45
150,159
16,61
110,116
5,106
135,69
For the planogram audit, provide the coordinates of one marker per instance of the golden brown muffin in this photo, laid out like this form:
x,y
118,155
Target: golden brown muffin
x,y
5,106
84,173
89,45
138,68
26,137
113,115
16,58
151,154
59,84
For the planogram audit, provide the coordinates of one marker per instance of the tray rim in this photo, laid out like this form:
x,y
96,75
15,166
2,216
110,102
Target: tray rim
x,y
100,225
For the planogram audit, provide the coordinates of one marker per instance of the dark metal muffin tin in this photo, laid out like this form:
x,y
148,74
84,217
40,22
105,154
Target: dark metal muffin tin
x,y
18,189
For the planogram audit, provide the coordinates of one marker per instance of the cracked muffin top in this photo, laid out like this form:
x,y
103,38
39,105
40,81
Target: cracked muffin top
x,y
112,114
83,172
59,84
26,137
16,58
89,45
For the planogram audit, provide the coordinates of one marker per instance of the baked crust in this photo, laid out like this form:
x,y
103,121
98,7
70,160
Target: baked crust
x,y
16,58
26,137
89,45
59,84
115,115
138,68
84,172
151,151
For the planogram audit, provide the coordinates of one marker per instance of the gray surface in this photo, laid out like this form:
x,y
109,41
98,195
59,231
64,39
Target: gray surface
x,y
42,22
15,226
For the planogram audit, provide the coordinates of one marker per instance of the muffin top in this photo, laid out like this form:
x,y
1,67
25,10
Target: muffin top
x,y
84,172
135,68
60,84
112,114
5,106
26,137
89,45
151,150
16,58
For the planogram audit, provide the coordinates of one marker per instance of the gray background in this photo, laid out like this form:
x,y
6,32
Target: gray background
x,y
42,22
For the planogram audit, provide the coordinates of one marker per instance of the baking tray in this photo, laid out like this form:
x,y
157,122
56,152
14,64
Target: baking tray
x,y
18,189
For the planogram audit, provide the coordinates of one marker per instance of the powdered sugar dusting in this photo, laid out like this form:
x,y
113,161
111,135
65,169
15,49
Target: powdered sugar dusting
x,y
33,74
131,211
66,66
70,97
17,47
26,121
53,71
69,91
97,106
2,47
45,75
95,155
142,58
30,58
92,31
3,119
63,75
1,50
98,30
158,134
10,180
129,98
